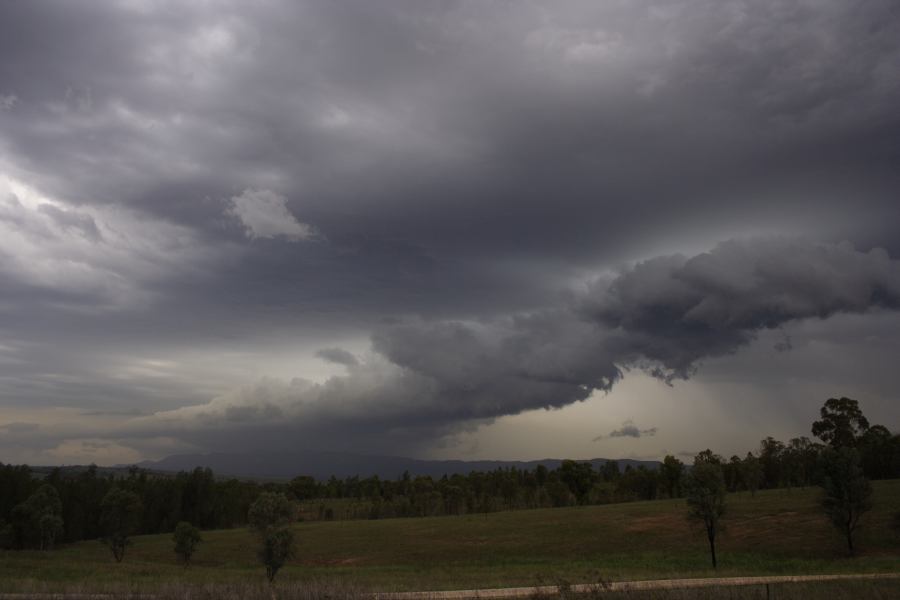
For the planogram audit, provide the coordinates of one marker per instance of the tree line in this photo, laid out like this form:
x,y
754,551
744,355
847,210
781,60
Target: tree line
x,y
66,507
75,500
774,464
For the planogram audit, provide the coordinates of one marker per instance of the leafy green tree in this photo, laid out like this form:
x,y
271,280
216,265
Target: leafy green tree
x,y
610,470
16,484
800,457
848,494
39,518
6,535
540,475
880,453
120,513
705,489
277,548
751,473
50,527
671,473
639,483
271,510
771,459
270,517
732,472
454,499
579,477
559,493
304,487
186,538
81,496
198,497
708,457
842,423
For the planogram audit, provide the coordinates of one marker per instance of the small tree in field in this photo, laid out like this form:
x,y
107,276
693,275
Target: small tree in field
x,y
277,548
705,487
120,511
186,538
270,517
848,494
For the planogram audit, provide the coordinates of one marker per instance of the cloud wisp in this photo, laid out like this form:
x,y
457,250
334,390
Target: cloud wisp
x,y
90,259
629,430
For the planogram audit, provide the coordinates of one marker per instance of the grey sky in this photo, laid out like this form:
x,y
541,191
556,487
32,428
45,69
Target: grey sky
x,y
407,226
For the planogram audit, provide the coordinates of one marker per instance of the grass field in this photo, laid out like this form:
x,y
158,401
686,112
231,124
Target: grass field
x,y
777,532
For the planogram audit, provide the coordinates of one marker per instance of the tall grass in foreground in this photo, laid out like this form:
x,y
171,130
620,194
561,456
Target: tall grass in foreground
x,y
314,590
337,590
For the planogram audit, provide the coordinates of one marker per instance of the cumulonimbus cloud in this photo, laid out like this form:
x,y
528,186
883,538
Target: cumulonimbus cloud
x,y
667,314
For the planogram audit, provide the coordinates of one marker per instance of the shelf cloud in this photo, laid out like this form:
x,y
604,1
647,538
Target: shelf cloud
x,y
665,315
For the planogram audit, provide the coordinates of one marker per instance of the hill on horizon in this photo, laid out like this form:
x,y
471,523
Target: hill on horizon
x,y
322,465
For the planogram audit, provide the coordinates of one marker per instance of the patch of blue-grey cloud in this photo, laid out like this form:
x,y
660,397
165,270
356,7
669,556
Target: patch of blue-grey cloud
x,y
338,356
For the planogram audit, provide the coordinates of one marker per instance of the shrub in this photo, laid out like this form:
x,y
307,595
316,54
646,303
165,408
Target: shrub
x,y
186,538
269,517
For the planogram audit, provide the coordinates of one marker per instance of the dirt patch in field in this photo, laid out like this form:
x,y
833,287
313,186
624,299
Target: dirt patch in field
x,y
788,529
332,562
764,525
657,524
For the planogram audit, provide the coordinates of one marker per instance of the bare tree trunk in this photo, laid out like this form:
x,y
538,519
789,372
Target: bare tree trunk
x,y
850,531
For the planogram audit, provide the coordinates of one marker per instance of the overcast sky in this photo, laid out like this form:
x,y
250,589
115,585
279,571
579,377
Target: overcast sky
x,y
444,229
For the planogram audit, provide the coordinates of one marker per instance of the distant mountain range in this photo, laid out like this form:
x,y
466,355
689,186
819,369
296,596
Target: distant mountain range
x,y
322,465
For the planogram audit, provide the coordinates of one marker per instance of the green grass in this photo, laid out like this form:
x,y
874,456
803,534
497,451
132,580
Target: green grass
x,y
778,532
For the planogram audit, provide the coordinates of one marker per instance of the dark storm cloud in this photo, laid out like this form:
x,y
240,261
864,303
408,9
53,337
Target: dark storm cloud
x,y
677,310
458,120
664,315
187,178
